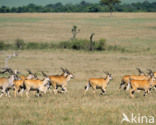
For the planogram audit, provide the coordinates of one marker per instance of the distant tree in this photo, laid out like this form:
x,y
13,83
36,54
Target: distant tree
x,y
103,6
75,31
94,8
13,9
110,4
4,9
58,7
84,3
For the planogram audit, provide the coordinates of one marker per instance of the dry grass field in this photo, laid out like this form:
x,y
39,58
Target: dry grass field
x,y
130,30
126,29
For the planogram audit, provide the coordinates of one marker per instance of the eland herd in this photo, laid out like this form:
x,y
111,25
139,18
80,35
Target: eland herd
x,y
30,82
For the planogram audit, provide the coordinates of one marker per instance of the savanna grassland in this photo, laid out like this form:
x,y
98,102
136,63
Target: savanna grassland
x,y
134,31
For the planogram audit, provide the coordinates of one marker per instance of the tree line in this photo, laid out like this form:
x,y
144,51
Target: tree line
x,y
83,6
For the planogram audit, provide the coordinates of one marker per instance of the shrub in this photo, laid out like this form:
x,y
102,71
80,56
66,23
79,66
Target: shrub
x,y
76,44
32,45
44,45
82,44
65,45
2,45
52,45
9,46
79,44
100,45
19,44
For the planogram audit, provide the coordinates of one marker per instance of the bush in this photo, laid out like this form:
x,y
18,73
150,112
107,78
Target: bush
x,y
32,45
79,44
76,44
19,44
82,44
44,46
101,45
52,45
2,45
65,45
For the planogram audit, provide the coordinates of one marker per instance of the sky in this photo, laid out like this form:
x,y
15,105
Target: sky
x,y
16,3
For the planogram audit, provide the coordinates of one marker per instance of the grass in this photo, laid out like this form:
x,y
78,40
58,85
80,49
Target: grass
x,y
19,20
74,108
123,29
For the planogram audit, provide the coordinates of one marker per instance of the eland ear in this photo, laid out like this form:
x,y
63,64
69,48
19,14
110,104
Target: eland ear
x,y
10,70
67,71
107,73
44,74
35,75
63,70
28,70
140,71
4,70
149,71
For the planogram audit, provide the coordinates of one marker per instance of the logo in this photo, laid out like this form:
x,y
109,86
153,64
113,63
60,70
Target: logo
x,y
143,119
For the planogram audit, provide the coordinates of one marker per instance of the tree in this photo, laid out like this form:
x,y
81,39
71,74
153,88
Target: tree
x,y
75,31
94,8
84,3
110,4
